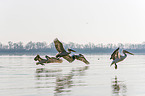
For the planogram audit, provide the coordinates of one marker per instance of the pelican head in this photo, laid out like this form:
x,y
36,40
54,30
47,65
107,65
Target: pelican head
x,y
124,51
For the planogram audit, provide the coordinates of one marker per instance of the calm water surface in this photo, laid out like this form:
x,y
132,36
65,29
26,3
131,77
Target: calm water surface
x,y
20,76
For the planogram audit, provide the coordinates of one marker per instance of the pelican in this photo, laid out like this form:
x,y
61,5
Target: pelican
x,y
62,52
117,57
81,58
47,60
65,55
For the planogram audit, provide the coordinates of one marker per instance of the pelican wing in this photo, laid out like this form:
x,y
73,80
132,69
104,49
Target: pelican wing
x,y
68,58
59,46
82,58
115,54
54,60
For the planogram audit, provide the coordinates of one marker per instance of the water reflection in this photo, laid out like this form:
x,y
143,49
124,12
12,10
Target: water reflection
x,y
43,72
63,83
118,87
57,80
45,77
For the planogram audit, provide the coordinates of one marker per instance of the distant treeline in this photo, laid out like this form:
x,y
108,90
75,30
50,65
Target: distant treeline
x,y
43,47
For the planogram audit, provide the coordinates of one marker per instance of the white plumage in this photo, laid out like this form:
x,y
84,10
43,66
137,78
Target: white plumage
x,y
117,57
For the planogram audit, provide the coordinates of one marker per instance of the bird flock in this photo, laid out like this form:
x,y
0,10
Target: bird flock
x,y
62,53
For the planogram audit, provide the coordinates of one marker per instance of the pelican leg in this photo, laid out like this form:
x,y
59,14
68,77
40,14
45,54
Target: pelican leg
x,y
115,66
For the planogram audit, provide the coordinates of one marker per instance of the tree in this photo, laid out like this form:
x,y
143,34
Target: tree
x,y
1,46
41,45
110,45
30,45
20,45
10,45
120,45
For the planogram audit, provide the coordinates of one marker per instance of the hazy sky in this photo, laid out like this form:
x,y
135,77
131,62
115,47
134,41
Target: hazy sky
x,y
79,21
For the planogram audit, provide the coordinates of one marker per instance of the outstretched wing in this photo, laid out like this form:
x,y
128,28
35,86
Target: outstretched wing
x,y
115,54
68,58
81,58
59,46
54,60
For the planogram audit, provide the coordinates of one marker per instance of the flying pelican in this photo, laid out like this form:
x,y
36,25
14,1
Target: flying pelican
x,y
47,60
117,57
65,55
81,58
62,52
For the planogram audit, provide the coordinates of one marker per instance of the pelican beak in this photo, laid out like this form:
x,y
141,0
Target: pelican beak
x,y
129,53
71,50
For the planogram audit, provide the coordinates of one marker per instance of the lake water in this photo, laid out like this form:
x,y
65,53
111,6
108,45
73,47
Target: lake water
x,y
20,76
